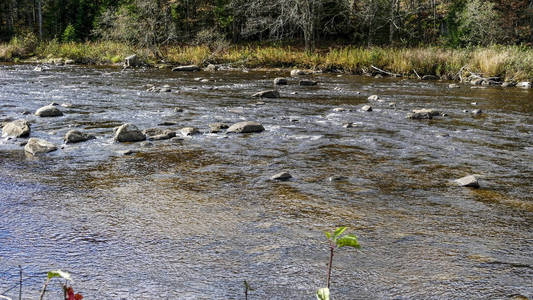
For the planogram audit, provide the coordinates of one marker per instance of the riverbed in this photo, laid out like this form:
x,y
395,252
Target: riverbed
x,y
194,218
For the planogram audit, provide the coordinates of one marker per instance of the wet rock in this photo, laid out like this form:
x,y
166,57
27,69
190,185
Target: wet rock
x,y
509,84
176,139
69,62
280,81
298,72
524,85
188,131
26,112
473,103
283,176
211,68
366,108
477,81
17,128
245,127
178,109
341,109
477,112
420,114
430,77
167,123
165,89
146,144
48,111
468,181
157,134
453,86
348,125
392,104
205,80
38,69
267,94
131,61
127,152
36,146
217,127
76,136
490,82
128,133
307,82
337,178
260,103
54,104
189,68
373,98
67,105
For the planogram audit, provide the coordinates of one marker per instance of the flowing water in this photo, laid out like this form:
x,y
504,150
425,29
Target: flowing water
x,y
192,219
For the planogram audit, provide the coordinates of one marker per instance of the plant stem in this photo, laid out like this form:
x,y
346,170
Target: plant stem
x,y
41,297
20,282
331,249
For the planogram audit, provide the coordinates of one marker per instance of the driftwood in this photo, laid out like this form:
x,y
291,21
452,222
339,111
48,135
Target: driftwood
x,y
385,72
417,74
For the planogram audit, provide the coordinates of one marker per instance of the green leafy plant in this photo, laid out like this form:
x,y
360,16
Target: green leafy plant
x,y
336,240
69,35
68,291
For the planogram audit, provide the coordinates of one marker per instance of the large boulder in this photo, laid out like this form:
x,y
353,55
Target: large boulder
x,y
245,127
17,128
76,136
266,94
36,146
48,111
189,68
128,133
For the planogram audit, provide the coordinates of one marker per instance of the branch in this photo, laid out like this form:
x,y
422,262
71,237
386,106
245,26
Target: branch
x,y
385,72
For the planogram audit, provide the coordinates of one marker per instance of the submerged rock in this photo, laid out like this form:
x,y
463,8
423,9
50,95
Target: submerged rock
x,y
128,133
267,94
468,181
341,109
157,134
374,98
366,108
188,131
307,82
420,114
477,112
298,72
36,146
17,128
76,136
217,127
245,127
283,176
48,111
280,81
189,68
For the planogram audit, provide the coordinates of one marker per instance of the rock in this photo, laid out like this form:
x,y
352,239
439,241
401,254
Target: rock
x,y
468,181
509,84
128,133
298,72
374,98
205,80
348,125
188,131
473,103
157,134
392,104
366,108
48,111
67,105
189,68
453,86
36,146
307,82
69,62
337,178
267,94
26,112
76,136
280,81
131,61
146,144
165,89
524,85
260,103
430,77
217,127
54,104
477,112
245,127
477,81
38,69
167,123
176,139
178,109
341,109
283,176
17,128
127,152
490,82
211,68
420,114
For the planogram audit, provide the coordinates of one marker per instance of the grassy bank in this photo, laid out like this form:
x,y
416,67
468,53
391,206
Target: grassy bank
x,y
509,62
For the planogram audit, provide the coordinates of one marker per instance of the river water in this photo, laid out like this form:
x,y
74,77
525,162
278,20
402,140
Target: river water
x,y
193,219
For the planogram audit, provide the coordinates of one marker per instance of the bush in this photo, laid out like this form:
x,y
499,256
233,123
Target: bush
x,y
69,35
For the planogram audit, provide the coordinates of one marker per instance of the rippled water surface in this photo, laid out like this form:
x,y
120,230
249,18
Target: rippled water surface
x,y
192,219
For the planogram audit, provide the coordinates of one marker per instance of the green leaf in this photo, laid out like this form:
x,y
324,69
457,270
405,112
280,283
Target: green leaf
x,y
322,294
328,235
349,240
59,273
338,232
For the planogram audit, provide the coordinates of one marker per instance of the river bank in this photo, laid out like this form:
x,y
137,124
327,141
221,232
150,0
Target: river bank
x,y
507,63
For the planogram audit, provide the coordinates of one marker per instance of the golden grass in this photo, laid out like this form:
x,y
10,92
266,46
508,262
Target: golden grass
x,y
509,62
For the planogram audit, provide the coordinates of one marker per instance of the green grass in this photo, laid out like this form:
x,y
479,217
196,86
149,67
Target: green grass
x,y
509,62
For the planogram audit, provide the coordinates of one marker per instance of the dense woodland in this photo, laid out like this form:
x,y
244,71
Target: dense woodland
x,y
147,23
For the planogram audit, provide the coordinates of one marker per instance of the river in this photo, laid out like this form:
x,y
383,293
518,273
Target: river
x,y
193,219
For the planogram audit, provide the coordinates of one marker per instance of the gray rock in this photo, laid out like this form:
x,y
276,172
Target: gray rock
x,y
509,84
468,181
178,109
430,77
158,134
366,108
348,125
146,144
524,85
245,127
283,176
280,81
267,94
453,86
54,104
26,112
167,123
48,111
165,89
341,109
307,82
76,136
217,127
17,128
211,68
189,68
176,139
477,112
36,146
188,131
69,62
477,81
298,72
420,114
128,133
131,61
337,178
127,152
374,98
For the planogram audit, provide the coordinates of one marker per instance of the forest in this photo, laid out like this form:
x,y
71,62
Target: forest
x,y
310,23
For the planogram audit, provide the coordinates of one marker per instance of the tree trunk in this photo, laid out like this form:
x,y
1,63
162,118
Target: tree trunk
x,y
40,19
